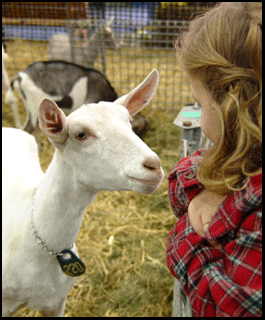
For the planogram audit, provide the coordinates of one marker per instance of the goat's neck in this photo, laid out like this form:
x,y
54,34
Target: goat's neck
x,y
94,40
87,55
59,205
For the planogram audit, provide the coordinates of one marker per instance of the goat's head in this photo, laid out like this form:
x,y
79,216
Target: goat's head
x,y
108,34
102,34
98,144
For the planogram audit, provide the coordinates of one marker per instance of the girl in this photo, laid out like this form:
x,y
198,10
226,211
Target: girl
x,y
215,247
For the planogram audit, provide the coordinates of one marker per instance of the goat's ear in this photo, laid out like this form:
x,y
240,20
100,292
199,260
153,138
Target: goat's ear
x,y
52,122
140,96
109,22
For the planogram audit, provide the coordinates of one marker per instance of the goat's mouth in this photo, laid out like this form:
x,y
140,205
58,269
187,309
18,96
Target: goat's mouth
x,y
148,181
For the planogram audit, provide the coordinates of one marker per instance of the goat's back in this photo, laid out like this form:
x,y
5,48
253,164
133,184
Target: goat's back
x,y
20,162
59,47
57,78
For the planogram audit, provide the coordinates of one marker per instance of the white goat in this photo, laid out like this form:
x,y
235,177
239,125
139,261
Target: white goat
x,y
86,54
5,80
6,86
95,149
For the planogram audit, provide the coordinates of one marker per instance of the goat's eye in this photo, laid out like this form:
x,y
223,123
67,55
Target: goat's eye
x,y
81,136
131,119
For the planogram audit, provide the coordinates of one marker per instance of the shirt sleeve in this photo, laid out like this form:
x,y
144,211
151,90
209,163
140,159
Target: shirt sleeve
x,y
219,283
183,184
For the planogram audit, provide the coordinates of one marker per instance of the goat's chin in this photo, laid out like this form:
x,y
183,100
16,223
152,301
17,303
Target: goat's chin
x,y
145,187
147,190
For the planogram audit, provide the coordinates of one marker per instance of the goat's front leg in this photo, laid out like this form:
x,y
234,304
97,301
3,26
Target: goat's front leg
x,y
16,114
58,312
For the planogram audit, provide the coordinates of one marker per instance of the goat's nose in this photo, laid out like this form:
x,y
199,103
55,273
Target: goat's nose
x,y
152,163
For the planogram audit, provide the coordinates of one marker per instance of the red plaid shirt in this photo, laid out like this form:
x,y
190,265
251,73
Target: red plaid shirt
x,y
225,283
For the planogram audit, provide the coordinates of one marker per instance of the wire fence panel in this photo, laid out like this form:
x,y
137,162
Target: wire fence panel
x,y
145,34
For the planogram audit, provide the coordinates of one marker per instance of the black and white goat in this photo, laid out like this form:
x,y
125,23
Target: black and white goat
x,y
68,84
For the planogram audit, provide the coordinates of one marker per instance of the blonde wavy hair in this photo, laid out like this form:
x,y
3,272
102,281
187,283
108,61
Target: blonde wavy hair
x,y
223,49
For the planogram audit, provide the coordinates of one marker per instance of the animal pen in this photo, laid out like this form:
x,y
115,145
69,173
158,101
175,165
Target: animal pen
x,y
123,236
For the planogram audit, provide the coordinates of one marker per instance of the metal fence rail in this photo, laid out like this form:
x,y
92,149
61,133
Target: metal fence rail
x,y
192,139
